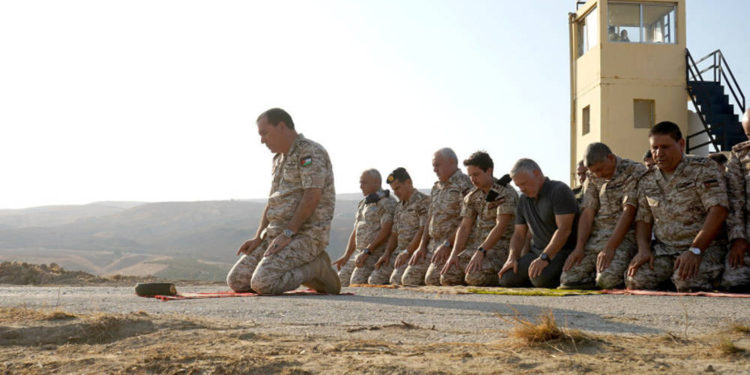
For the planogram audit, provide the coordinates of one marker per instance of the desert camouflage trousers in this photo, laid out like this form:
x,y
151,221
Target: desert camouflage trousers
x,y
397,273
278,273
736,277
367,274
432,276
491,265
708,272
584,274
414,275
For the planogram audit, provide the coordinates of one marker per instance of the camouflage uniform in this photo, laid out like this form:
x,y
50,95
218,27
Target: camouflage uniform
x,y
738,225
485,215
444,217
607,198
678,208
305,166
370,218
408,218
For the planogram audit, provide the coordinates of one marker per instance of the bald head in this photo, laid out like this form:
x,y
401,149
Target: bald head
x,y
746,122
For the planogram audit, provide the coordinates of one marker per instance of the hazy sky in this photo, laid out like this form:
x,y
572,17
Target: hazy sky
x,y
157,100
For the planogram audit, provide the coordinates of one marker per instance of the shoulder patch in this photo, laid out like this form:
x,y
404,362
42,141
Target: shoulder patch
x,y
305,161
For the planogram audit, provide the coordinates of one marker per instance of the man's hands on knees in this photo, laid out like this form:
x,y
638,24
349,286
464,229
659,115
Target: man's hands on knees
x,y
687,265
278,243
574,259
339,263
537,266
249,246
737,253
441,254
510,264
643,257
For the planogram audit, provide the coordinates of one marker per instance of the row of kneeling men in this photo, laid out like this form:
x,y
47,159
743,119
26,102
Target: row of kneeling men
x,y
678,224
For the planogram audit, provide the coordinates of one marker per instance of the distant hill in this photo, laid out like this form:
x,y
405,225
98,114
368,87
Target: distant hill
x,y
176,240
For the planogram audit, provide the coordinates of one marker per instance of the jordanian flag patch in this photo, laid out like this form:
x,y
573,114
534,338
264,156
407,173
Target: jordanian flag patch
x,y
307,160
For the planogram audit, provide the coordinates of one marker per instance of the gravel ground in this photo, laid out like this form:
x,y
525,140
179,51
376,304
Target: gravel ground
x,y
455,317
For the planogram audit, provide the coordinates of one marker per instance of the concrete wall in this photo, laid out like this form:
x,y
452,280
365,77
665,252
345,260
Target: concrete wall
x,y
625,72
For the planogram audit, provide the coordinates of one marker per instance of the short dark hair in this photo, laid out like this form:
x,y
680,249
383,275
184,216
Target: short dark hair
x,y
666,128
399,174
648,155
481,160
276,115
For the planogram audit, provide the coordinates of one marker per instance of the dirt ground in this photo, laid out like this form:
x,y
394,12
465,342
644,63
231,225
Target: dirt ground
x,y
39,341
103,328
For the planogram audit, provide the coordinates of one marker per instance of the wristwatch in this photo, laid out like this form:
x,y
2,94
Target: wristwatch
x,y
447,243
695,250
287,233
544,257
366,251
482,250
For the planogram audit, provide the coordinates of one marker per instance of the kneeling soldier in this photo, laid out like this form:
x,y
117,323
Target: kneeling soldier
x,y
737,265
606,239
486,225
408,224
684,200
372,226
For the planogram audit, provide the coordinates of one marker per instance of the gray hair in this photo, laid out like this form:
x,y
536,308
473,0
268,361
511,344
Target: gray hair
x,y
447,153
524,165
596,152
372,172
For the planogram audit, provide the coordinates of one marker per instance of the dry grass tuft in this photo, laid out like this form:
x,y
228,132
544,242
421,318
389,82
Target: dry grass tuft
x,y
58,315
740,328
544,330
727,347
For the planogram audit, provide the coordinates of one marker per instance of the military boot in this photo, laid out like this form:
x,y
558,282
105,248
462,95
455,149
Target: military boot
x,y
324,278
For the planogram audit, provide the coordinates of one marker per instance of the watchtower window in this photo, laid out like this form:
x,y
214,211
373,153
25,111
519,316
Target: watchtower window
x,y
643,113
641,23
587,31
586,123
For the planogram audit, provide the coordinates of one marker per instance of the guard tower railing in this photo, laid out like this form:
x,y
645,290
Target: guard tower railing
x,y
697,74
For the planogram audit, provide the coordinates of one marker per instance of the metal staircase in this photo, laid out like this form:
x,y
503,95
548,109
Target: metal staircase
x,y
706,90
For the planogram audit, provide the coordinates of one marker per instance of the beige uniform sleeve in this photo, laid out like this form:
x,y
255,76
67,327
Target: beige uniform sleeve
x,y
314,167
590,195
737,198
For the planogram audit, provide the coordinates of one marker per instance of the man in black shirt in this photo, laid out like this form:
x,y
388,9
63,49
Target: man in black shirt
x,y
547,209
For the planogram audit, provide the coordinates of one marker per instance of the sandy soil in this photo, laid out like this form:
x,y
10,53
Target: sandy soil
x,y
94,330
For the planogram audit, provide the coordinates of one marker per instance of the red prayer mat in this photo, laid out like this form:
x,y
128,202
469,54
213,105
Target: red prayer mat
x,y
181,296
660,293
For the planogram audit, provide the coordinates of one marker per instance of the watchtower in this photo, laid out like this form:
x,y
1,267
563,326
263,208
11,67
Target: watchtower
x,y
630,69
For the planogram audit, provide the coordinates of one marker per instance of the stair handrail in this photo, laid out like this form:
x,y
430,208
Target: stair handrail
x,y
720,68
692,70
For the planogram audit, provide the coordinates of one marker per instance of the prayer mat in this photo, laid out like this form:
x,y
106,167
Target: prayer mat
x,y
183,296
627,292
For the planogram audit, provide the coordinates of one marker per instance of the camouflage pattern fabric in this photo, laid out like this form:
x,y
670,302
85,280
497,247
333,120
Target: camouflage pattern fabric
x,y
444,217
305,166
415,275
584,274
382,275
345,273
738,181
409,217
485,214
738,225
678,207
607,198
398,273
664,257
736,277
370,218
445,206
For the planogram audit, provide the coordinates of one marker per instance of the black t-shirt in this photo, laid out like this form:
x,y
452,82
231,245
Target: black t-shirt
x,y
554,198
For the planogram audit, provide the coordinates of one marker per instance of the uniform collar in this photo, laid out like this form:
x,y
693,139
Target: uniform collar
x,y
295,143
